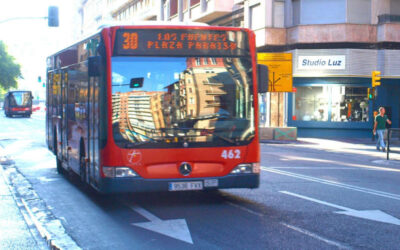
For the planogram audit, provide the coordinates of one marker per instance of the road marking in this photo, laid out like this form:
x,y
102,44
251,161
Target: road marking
x,y
374,215
323,168
354,165
315,236
245,209
176,228
334,183
297,229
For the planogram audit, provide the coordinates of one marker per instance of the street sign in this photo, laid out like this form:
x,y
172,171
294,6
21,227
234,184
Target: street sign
x,y
376,78
280,68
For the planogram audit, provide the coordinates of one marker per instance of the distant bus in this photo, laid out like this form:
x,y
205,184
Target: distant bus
x,y
18,103
157,108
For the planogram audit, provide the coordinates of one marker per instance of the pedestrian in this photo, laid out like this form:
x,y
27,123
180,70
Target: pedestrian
x,y
379,128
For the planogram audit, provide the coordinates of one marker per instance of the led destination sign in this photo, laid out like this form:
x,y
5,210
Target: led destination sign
x,y
148,42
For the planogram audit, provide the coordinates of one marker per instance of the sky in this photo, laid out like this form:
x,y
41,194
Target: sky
x,y
30,41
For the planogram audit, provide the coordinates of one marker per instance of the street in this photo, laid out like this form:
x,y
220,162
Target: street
x,y
314,194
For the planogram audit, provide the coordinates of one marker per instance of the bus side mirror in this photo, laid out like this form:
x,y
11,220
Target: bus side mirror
x,y
94,65
262,78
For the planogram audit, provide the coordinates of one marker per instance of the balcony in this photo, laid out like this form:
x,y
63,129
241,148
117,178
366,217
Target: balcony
x,y
135,10
388,32
332,33
270,36
388,28
388,18
209,10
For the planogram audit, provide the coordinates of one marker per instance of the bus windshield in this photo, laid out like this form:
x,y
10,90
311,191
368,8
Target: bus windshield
x,y
182,101
20,98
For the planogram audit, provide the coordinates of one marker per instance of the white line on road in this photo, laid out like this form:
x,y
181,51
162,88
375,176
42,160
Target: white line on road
x,y
315,200
324,168
315,236
176,228
297,229
146,214
334,183
374,215
347,164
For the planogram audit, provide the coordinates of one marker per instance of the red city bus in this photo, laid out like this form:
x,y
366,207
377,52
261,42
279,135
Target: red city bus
x,y
18,102
157,108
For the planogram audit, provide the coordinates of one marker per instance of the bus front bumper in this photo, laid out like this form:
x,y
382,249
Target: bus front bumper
x,y
135,184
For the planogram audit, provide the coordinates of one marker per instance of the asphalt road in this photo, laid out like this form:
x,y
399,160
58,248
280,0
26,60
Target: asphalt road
x,y
314,194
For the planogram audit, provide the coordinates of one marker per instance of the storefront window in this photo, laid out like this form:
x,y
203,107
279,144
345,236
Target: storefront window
x,y
349,104
311,103
331,103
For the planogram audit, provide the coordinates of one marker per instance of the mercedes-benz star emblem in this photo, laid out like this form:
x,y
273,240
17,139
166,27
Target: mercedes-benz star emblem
x,y
185,169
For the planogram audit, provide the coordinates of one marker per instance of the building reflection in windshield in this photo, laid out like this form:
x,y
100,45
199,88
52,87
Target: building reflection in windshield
x,y
205,98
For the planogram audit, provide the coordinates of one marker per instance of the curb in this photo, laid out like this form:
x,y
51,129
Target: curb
x,y
49,227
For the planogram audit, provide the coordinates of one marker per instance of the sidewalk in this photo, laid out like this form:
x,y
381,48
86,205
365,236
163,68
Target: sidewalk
x,y
15,231
26,222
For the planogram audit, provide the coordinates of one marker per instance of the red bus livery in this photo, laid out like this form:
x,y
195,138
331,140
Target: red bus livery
x,y
157,108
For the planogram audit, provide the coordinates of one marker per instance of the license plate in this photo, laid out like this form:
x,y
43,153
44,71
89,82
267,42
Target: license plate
x,y
184,186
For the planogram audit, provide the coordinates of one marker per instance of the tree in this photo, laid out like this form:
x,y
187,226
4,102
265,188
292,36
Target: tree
x,y
10,71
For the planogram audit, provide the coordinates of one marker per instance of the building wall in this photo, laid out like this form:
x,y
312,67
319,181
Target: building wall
x,y
334,29
320,12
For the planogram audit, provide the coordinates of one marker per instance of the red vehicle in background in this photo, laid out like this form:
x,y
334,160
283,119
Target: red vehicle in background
x,y
38,105
157,108
18,102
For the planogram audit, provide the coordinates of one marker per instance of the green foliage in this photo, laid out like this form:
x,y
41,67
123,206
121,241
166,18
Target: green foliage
x,y
10,71
2,93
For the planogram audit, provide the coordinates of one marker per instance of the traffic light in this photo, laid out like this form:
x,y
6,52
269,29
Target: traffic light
x,y
52,19
376,78
39,79
371,93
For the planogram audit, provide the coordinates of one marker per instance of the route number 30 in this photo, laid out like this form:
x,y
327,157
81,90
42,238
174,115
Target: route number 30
x,y
231,154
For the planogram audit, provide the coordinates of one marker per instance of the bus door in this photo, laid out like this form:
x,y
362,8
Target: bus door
x,y
64,118
57,112
93,153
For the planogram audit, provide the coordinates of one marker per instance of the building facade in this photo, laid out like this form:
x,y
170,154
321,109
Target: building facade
x,y
335,45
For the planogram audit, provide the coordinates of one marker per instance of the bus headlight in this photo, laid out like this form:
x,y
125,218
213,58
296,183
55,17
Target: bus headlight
x,y
116,172
248,168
